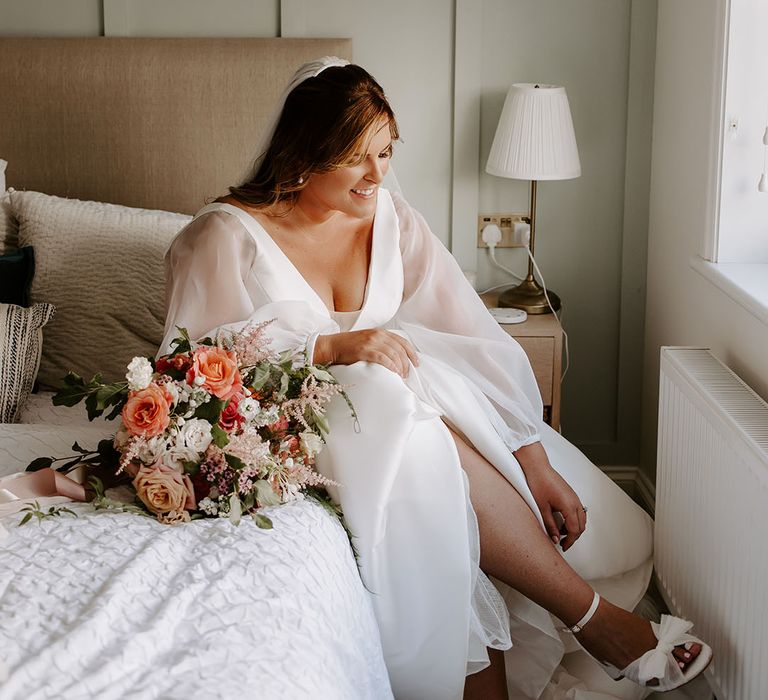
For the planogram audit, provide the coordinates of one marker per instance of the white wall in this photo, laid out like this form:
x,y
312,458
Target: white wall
x,y
446,79
682,307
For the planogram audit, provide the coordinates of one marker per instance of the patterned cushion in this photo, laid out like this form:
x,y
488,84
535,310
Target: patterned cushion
x,y
21,340
101,265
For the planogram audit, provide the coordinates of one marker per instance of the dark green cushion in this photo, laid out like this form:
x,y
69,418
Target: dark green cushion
x,y
17,269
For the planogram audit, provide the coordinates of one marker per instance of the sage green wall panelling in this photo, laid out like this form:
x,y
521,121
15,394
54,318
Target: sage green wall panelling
x,y
50,18
153,18
408,47
584,46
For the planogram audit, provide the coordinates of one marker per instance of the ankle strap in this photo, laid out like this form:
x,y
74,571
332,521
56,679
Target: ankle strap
x,y
587,615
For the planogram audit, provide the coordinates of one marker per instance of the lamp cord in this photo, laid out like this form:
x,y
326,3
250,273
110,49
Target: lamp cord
x,y
554,313
492,254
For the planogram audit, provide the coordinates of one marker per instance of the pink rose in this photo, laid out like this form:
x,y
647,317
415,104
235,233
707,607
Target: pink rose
x,y
231,419
163,489
218,368
146,411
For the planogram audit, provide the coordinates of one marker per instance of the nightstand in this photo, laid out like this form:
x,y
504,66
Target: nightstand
x,y
541,338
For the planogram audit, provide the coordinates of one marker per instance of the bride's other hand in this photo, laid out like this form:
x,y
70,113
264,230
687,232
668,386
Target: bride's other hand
x,y
552,494
370,345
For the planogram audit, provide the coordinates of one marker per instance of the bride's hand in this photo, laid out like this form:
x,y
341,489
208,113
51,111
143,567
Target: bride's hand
x,y
552,494
370,345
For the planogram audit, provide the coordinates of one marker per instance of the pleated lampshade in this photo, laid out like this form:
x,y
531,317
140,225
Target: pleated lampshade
x,y
534,139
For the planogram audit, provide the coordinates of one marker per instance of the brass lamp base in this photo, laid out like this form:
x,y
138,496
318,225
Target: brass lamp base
x,y
529,297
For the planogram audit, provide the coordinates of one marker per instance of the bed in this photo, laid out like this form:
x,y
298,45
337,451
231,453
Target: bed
x,y
111,144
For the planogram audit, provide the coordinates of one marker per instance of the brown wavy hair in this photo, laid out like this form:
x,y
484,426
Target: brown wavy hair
x,y
324,123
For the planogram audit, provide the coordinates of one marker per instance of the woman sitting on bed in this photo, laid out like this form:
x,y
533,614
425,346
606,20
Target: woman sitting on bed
x,y
451,475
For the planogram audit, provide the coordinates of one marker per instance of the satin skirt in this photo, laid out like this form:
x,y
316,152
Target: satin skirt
x,y
406,501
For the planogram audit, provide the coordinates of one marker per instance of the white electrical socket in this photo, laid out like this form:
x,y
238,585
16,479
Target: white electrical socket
x,y
515,229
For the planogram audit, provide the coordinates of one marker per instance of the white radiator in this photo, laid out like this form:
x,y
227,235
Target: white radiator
x,y
711,514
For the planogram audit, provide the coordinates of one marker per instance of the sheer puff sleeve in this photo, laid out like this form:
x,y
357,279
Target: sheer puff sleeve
x,y
446,319
210,287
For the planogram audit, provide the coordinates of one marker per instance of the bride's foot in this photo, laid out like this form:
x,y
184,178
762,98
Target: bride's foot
x,y
619,638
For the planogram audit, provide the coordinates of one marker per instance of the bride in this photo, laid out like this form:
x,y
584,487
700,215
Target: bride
x,y
450,476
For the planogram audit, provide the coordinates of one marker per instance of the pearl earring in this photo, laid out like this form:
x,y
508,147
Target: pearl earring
x,y
301,180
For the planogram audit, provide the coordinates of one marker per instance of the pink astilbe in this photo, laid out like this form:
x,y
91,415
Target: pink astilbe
x,y
304,475
130,451
313,397
252,344
248,447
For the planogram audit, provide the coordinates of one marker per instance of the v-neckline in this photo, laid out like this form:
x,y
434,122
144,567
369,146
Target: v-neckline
x,y
273,245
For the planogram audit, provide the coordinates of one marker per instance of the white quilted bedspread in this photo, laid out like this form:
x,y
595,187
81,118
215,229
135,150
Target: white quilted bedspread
x,y
115,605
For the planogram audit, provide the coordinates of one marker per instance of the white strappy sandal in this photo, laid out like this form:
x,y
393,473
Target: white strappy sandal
x,y
658,663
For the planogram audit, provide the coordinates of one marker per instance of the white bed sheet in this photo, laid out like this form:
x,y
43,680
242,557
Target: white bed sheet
x,y
115,605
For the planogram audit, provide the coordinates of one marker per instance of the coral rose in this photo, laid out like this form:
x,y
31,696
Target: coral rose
x,y
217,368
146,411
163,489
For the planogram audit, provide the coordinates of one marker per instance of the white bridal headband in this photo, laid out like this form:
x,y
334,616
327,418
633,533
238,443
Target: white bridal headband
x,y
311,69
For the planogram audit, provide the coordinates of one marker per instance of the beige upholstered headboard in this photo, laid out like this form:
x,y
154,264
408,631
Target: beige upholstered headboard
x,y
154,123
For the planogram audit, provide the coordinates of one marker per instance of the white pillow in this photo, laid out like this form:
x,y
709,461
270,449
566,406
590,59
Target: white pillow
x,y
101,265
21,338
8,225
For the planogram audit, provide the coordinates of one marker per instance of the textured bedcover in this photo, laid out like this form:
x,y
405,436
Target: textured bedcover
x,y
114,605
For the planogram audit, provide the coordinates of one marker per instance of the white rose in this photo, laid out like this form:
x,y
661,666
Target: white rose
x,y
311,443
249,408
271,415
153,449
195,434
139,374
177,455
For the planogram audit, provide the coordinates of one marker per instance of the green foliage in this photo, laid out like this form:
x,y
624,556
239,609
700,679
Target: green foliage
x,y
33,511
210,410
102,502
97,395
235,462
262,521
266,494
105,456
182,343
260,375
220,436
39,463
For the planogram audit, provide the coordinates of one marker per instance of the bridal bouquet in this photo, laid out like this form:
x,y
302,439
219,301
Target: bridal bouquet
x,y
216,428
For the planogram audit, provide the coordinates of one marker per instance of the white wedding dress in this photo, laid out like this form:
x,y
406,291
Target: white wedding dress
x,y
403,491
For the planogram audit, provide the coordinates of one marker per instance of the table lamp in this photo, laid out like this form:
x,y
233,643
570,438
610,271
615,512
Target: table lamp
x,y
534,141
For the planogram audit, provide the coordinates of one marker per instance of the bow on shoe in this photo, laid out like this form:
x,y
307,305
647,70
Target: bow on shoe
x,y
670,632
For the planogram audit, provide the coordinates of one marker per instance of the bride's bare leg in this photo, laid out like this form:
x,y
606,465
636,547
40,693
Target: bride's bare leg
x,y
515,549
491,682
